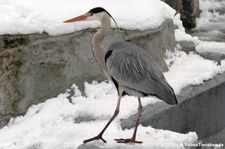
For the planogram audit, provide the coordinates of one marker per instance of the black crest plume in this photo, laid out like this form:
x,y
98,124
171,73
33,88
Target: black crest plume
x,y
100,9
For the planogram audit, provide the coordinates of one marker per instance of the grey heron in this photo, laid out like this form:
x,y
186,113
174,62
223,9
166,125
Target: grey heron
x,y
132,70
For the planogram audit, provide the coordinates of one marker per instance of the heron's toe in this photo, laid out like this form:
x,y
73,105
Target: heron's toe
x,y
127,141
98,137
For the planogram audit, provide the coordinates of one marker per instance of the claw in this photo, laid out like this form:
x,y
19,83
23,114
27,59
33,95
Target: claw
x,y
95,138
127,141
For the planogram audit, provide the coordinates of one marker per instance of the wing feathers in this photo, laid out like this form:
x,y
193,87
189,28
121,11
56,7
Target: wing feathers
x,y
136,69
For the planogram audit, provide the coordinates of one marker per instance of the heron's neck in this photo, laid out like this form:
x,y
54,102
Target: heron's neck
x,y
97,47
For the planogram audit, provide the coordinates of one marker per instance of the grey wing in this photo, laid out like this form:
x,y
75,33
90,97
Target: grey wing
x,y
137,71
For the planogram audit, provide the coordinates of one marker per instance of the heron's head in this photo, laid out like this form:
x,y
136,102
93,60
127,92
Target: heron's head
x,y
93,14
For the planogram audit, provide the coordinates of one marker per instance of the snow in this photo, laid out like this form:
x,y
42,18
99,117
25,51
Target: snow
x,y
34,16
211,46
209,4
180,35
210,20
56,123
37,16
52,124
188,69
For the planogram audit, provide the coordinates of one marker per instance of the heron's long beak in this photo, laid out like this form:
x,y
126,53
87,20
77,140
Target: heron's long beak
x,y
79,18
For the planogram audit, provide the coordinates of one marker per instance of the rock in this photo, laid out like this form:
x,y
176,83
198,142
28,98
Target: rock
x,y
189,13
2,44
196,10
36,67
189,10
187,46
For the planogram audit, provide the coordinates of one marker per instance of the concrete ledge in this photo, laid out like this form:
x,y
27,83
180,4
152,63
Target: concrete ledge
x,y
36,67
200,109
213,56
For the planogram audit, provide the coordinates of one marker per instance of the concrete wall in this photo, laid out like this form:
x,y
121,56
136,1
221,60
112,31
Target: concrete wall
x,y
36,67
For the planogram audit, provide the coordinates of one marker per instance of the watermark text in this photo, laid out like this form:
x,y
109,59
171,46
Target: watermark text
x,y
219,145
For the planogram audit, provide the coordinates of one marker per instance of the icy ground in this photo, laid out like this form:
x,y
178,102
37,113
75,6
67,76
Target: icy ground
x,y
57,122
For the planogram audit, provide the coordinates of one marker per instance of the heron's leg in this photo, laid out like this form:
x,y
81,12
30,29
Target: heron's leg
x,y
99,136
133,138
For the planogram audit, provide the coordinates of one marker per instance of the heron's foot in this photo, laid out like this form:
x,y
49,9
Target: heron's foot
x,y
127,141
98,137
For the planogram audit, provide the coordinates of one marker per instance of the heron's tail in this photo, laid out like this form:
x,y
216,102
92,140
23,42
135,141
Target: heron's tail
x,y
166,93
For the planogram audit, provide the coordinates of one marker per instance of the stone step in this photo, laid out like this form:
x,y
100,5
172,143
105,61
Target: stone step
x,y
197,110
209,35
217,138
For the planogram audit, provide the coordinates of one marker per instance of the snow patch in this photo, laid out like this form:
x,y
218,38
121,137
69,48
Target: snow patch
x,y
31,16
180,35
52,124
211,46
189,69
210,20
